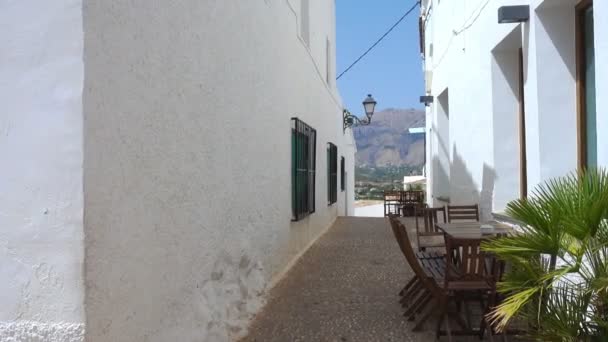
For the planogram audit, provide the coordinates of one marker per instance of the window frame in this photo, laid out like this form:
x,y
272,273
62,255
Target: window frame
x,y
342,173
332,173
303,169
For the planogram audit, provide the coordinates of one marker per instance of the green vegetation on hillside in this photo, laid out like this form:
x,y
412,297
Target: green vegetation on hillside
x,y
371,182
384,174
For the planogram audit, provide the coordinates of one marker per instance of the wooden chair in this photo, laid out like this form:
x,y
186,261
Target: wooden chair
x,y
402,238
463,213
430,218
410,201
392,202
428,274
469,277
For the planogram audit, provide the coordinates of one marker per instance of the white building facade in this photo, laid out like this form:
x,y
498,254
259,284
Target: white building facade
x,y
514,104
149,163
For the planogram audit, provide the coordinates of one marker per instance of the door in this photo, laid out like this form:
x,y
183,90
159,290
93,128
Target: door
x,y
585,84
523,163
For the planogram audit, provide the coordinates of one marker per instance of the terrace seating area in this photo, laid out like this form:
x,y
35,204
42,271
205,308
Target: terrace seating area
x,y
368,279
446,283
403,202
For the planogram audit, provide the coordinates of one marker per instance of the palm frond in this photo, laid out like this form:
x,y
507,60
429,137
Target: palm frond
x,y
511,307
566,316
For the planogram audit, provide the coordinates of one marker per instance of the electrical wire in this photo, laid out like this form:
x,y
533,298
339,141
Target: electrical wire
x,y
471,20
427,14
379,40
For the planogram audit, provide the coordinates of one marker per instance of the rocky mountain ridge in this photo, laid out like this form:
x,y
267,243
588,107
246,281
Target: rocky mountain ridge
x,y
387,140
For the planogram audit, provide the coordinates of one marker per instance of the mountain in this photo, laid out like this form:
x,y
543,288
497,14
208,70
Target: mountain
x,y
387,141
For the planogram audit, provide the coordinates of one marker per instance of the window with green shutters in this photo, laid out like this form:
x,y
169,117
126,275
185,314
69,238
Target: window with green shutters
x,y
303,167
332,173
342,174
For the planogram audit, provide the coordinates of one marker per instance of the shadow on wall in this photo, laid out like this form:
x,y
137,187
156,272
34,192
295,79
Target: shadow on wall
x,y
558,22
441,162
464,189
441,183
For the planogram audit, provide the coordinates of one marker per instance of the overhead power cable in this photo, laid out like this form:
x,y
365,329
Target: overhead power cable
x,y
380,39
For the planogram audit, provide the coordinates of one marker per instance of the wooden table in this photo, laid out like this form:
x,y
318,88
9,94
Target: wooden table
x,y
472,230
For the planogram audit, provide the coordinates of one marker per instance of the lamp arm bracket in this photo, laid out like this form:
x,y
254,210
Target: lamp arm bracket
x,y
350,120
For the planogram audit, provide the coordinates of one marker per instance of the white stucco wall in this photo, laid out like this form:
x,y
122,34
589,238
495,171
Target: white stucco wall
x,y
555,68
464,54
41,224
187,109
505,109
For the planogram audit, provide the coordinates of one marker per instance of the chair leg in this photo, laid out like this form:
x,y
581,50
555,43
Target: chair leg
x,y
490,304
483,326
408,285
442,316
411,293
482,329
420,309
447,327
423,305
461,323
414,307
438,330
420,324
491,335
467,312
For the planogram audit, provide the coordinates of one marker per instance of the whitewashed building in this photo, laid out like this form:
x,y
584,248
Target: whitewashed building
x,y
149,160
516,95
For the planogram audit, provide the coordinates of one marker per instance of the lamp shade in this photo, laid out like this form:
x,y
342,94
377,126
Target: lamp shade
x,y
426,99
513,14
370,105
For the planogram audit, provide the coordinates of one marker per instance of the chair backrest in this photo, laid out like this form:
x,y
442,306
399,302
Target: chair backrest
x,y
463,213
392,196
397,233
412,196
408,251
392,200
497,266
430,217
471,262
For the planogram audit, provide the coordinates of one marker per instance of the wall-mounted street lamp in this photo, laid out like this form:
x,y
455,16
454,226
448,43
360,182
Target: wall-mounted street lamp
x,y
513,14
427,100
369,104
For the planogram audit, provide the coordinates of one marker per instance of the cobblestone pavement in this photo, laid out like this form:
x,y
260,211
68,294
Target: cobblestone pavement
x,y
344,288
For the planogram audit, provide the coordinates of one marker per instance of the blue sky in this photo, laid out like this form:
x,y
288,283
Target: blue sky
x,y
392,72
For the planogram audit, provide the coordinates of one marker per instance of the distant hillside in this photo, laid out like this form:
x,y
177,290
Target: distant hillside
x,y
387,140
